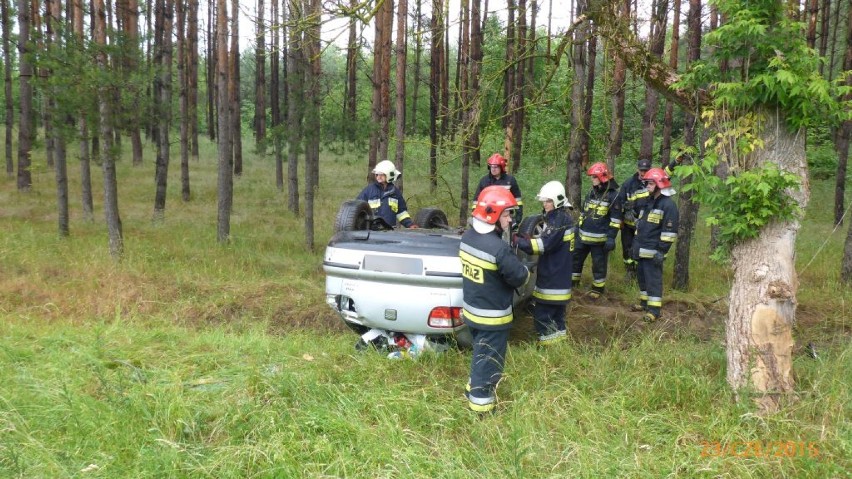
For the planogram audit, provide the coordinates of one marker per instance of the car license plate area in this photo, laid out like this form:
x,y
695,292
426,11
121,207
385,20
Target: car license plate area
x,y
392,264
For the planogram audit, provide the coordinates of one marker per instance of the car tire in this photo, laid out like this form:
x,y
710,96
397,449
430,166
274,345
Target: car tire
x,y
531,226
353,215
431,218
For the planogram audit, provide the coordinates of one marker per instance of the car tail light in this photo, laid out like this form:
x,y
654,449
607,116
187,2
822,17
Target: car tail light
x,y
445,317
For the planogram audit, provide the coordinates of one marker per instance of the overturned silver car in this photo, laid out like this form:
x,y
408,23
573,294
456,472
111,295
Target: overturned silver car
x,y
405,281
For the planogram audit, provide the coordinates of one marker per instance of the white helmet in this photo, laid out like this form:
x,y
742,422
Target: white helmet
x,y
554,191
387,168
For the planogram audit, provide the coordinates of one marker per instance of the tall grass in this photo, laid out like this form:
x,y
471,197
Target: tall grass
x,y
192,359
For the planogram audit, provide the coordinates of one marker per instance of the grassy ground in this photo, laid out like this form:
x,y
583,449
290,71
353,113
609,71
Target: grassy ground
x,y
190,359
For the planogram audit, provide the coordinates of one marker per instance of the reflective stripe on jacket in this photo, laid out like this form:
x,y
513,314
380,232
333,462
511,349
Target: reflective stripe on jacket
x,y
387,203
601,215
656,228
490,272
555,246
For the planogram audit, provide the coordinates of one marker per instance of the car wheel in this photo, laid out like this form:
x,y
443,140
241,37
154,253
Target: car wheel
x,y
531,226
431,218
353,215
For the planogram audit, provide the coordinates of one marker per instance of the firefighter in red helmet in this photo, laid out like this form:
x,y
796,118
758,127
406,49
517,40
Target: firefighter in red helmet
x,y
656,232
490,274
498,174
600,220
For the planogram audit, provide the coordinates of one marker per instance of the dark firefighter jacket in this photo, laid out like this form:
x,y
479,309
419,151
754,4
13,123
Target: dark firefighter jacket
x,y
633,195
505,180
656,227
491,272
601,215
387,203
555,246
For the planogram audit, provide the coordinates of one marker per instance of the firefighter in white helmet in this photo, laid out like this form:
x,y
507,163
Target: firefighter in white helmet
x,y
384,198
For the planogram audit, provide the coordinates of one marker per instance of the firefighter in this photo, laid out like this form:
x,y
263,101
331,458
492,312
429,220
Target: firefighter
x,y
490,274
656,232
600,220
632,197
552,286
384,198
498,174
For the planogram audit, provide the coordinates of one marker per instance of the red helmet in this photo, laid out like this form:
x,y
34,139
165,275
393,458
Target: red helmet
x,y
658,176
600,171
492,201
497,160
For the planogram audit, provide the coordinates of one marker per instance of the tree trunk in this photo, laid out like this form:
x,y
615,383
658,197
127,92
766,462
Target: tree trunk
x,y
165,112
574,172
437,26
475,103
688,209
374,156
813,13
235,115
113,219
312,114
763,295
401,52
54,24
351,84
82,126
657,43
823,36
666,145
25,93
212,80
418,50
192,76
183,98
519,109
619,81
225,182
7,84
467,119
509,80
832,55
589,101
294,106
131,32
843,135
274,98
260,78
384,79
846,264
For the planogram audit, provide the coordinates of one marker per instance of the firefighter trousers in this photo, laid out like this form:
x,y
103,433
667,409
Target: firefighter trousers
x,y
549,320
486,367
600,258
650,277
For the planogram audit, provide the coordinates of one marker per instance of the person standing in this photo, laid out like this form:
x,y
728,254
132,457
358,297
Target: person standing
x,y
632,196
384,198
552,291
498,174
490,274
600,221
656,232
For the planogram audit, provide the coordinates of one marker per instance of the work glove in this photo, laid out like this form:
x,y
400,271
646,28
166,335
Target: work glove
x,y
659,258
610,245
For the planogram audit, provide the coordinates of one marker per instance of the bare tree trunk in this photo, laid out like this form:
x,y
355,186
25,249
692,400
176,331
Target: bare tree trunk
x,y
225,183
192,76
130,12
351,84
260,77
843,135
7,83
657,43
763,295
585,134
437,27
374,155
212,81
418,50
813,14
82,126
401,52
475,71
666,145
183,98
520,87
274,98
56,41
113,219
467,119
823,37
25,93
574,171
312,117
294,107
688,209
846,264
836,23
619,81
509,80
550,26
384,79
165,112
235,115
